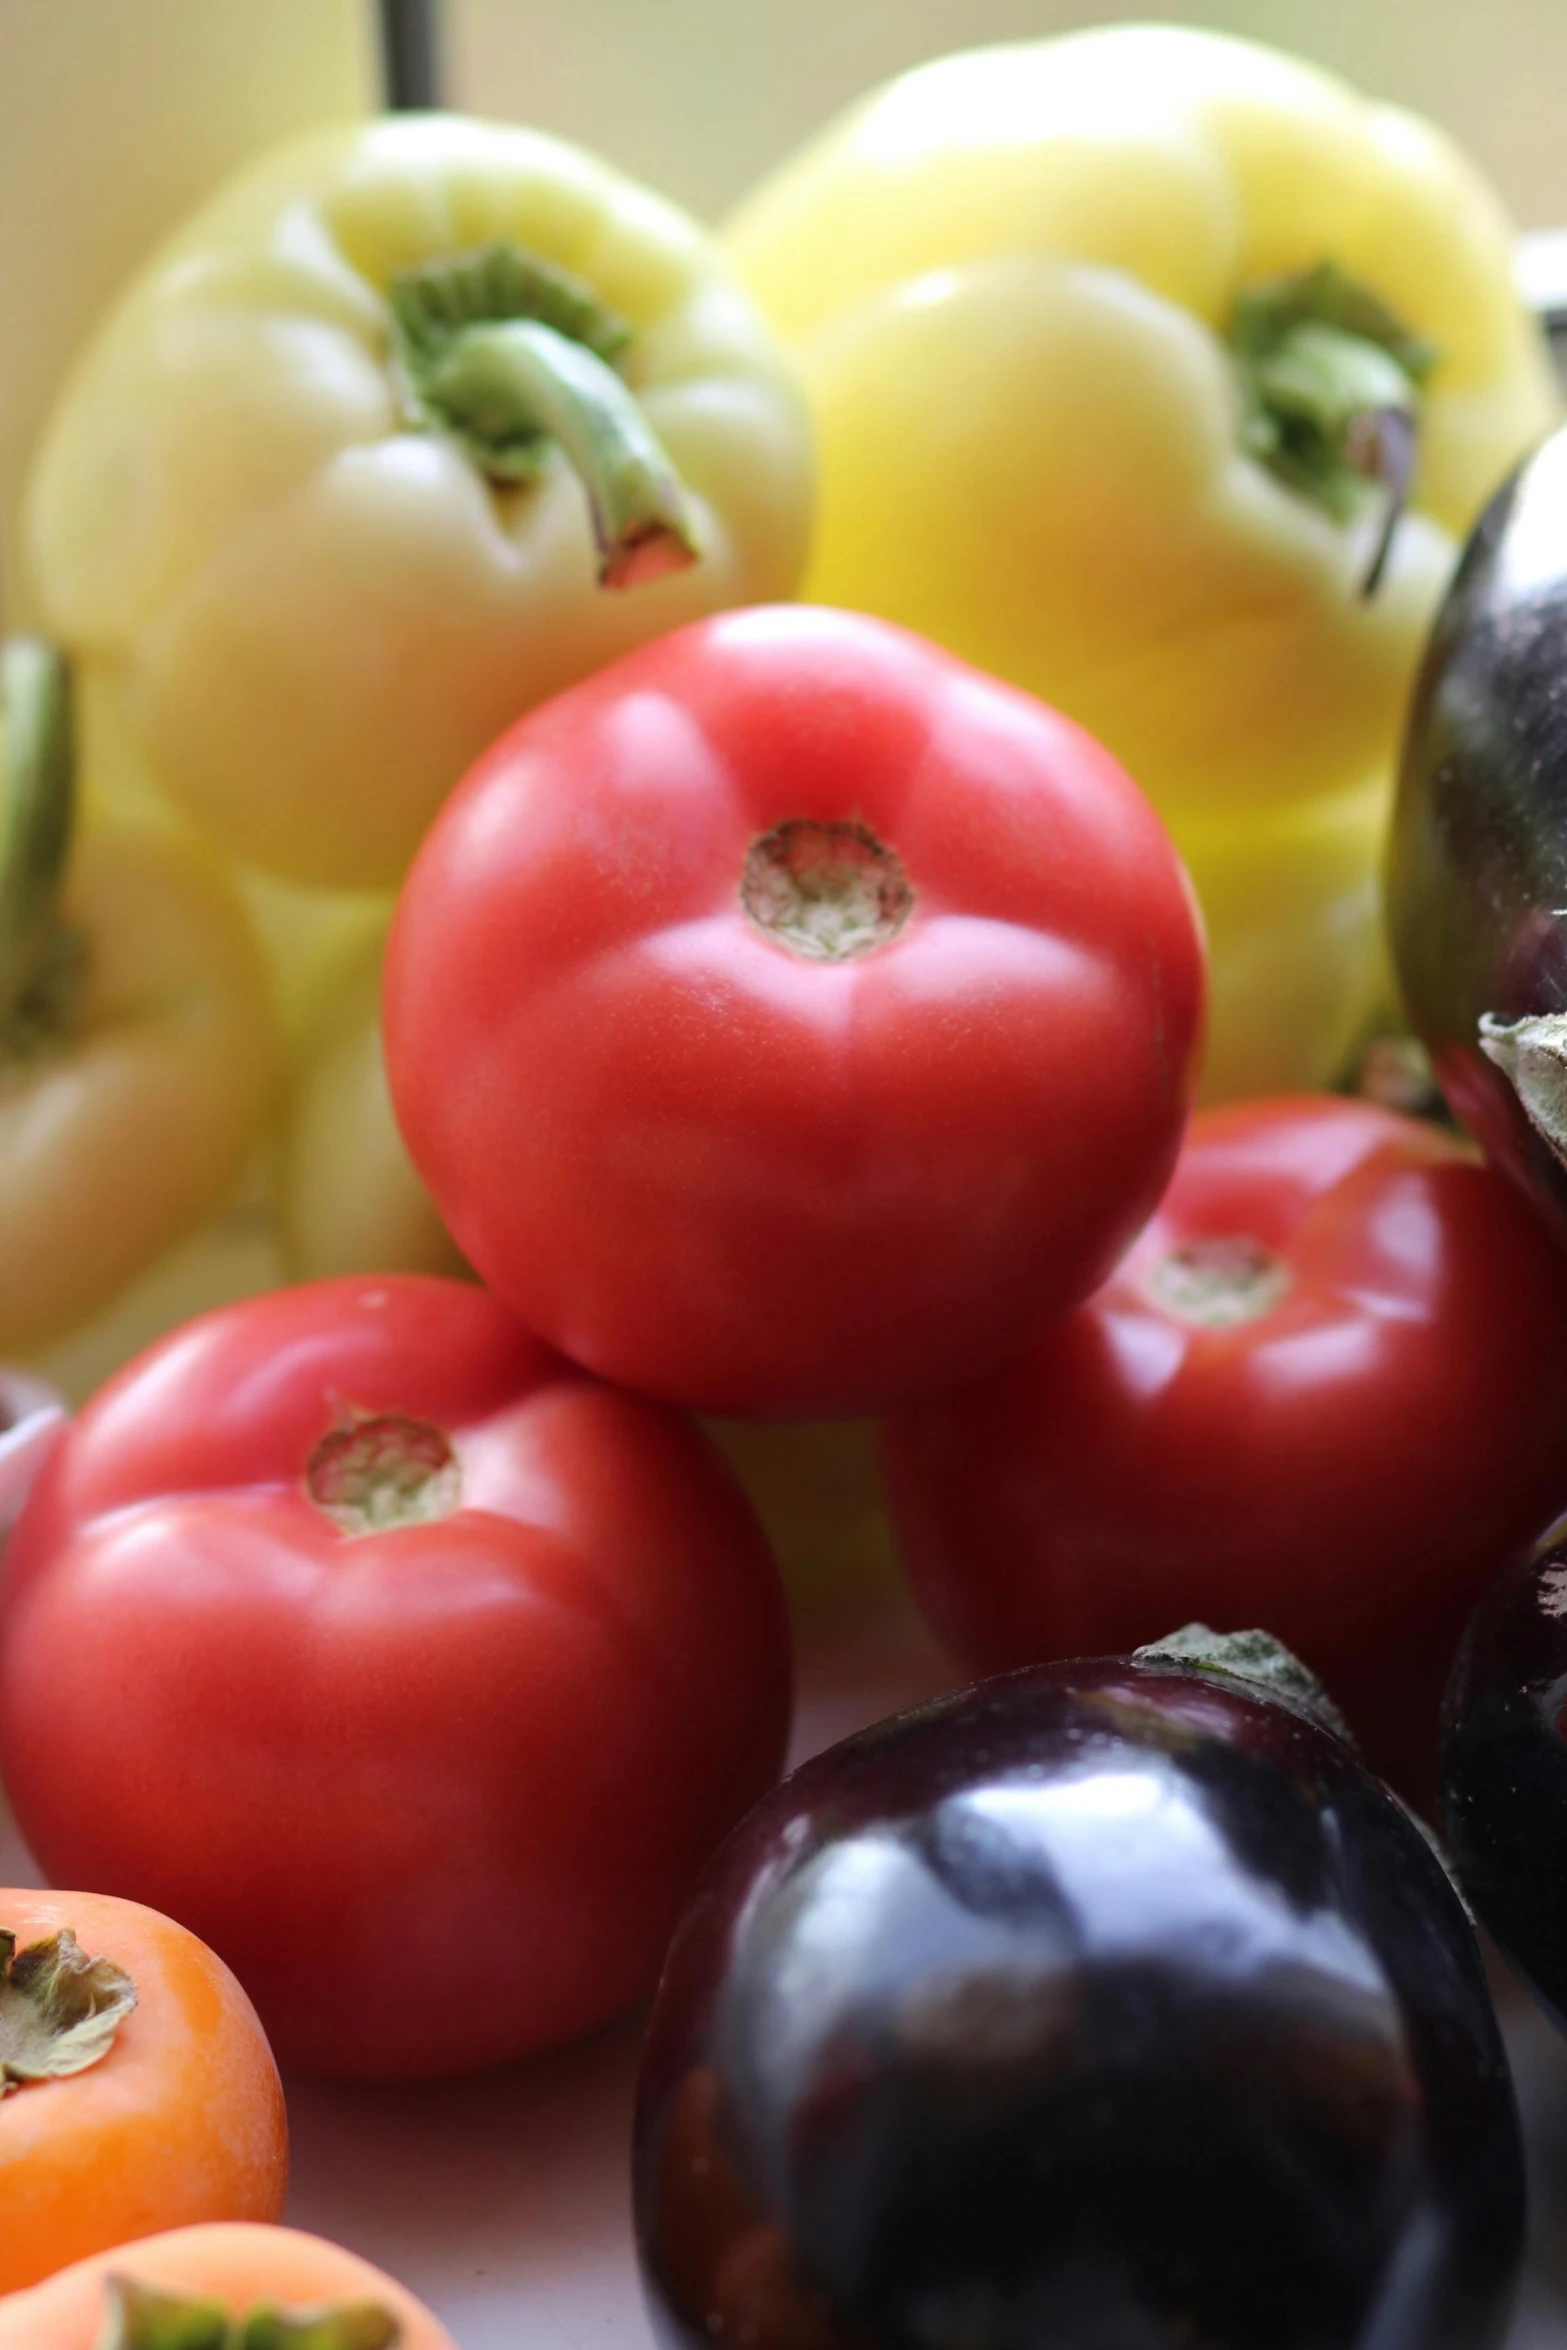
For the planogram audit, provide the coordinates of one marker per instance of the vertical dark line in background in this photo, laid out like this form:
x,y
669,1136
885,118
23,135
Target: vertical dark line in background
x,y
411,53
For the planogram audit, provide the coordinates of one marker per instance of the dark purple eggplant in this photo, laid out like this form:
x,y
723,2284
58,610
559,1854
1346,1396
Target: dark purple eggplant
x,y
1477,873
1504,1767
1106,2006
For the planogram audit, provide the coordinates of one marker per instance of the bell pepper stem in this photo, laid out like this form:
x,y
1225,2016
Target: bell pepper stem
x,y
516,378
1331,383
37,797
1383,447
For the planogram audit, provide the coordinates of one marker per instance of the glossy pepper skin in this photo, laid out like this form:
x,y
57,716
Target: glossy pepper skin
x,y
1504,1766
1477,877
1010,280
1106,2003
329,571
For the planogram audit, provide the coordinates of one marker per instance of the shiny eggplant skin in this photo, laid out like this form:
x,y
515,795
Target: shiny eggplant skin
x,y
1504,1766
1477,871
1102,2006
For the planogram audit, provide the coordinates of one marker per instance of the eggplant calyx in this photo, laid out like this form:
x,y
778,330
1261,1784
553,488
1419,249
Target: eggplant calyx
x,y
1273,1670
1532,1055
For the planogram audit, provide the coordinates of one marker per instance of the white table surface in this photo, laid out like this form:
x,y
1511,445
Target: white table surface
x,y
504,2200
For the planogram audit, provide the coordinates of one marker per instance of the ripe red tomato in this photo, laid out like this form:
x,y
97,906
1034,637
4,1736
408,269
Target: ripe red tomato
x,y
412,1669
790,1017
1325,1393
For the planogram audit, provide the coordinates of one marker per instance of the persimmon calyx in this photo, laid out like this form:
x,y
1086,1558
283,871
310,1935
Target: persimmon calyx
x,y
140,2317
59,2009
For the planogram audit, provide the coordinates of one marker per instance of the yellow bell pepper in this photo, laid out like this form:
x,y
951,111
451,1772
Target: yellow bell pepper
x,y
1160,374
816,1486
347,1196
412,425
136,1046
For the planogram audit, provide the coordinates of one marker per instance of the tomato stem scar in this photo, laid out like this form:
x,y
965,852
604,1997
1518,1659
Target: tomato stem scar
x,y
1217,1280
382,1471
825,891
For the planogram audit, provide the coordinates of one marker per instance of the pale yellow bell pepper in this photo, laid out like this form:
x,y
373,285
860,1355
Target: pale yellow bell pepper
x,y
136,1041
411,426
347,1197
1117,345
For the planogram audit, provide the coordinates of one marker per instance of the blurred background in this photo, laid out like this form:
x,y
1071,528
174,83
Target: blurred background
x,y
702,95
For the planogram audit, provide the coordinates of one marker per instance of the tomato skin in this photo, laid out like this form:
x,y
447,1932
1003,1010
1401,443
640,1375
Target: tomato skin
x,y
1349,1469
182,2120
435,1792
749,1180
237,2265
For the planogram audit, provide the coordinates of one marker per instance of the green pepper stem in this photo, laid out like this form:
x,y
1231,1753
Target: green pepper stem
x,y
37,800
515,378
1331,379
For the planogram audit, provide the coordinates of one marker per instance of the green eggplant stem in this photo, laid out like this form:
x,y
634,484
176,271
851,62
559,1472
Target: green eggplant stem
x,y
37,805
1254,1656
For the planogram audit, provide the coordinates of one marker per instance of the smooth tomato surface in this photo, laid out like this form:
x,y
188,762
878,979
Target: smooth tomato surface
x,y
436,1789
239,2268
1325,1393
790,1017
181,2120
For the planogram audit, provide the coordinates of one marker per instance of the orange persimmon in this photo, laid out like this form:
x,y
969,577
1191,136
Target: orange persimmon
x,y
112,2299
128,2105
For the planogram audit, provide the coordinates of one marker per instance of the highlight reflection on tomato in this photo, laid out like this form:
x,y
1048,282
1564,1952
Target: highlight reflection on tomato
x,y
413,1669
1327,1390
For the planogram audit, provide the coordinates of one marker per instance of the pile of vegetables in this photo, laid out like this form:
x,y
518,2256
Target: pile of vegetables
x,y
704,812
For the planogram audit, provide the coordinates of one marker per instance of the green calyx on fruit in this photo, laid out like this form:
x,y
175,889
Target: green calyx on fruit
x,y
140,2317
1532,1055
59,2009
1254,1657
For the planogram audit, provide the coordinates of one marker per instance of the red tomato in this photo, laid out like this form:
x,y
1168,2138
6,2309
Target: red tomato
x,y
413,1670
790,1017
1325,1393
